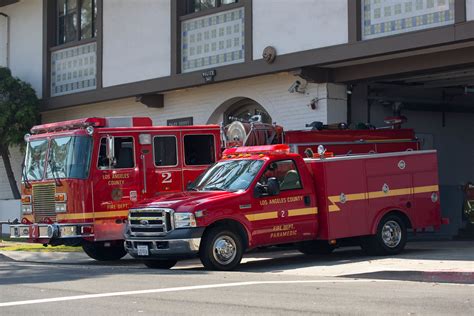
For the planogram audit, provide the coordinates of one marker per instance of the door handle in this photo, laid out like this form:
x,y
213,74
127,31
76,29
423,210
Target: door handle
x,y
307,200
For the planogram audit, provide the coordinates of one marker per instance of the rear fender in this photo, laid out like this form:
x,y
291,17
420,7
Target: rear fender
x,y
402,213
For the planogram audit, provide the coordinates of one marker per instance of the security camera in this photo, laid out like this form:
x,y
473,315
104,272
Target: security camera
x,y
294,86
298,86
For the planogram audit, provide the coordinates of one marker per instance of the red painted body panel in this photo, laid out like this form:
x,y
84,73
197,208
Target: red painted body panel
x,y
341,197
104,198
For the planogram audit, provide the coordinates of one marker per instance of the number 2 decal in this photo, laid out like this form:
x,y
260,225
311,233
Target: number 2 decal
x,y
166,177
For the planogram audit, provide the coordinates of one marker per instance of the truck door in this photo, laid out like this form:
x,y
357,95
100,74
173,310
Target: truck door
x,y
167,174
198,152
289,215
115,186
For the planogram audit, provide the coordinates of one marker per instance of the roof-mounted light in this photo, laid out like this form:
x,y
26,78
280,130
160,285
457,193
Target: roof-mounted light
x,y
266,149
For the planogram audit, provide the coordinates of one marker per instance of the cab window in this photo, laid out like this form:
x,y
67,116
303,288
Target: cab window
x,y
123,154
199,150
165,153
285,172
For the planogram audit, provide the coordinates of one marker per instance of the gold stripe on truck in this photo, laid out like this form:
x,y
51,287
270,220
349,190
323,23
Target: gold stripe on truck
x,y
334,199
121,213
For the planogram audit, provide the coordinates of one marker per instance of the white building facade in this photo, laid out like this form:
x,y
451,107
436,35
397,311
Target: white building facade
x,y
201,61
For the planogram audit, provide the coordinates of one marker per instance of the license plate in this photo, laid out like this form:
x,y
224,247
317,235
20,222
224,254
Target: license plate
x,y
142,250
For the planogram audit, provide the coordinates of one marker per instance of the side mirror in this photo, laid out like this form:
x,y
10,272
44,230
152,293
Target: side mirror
x,y
109,151
273,187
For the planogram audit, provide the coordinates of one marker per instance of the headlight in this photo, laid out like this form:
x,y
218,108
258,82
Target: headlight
x,y
184,220
26,209
60,207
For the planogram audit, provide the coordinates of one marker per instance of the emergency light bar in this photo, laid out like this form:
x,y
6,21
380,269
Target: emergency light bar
x,y
266,149
92,121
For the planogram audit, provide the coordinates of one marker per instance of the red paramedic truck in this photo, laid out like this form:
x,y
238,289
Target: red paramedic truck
x,y
265,195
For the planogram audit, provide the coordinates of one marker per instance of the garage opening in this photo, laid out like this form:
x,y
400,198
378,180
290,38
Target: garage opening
x,y
440,107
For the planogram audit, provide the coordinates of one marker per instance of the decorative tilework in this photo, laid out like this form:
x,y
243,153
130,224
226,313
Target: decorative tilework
x,y
389,17
73,69
213,40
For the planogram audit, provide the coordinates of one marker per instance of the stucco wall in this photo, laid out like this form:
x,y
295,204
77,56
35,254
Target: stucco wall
x,y
292,26
136,40
26,41
470,10
271,91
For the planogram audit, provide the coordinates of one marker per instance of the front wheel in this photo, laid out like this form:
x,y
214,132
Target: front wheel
x,y
160,264
97,251
221,249
390,239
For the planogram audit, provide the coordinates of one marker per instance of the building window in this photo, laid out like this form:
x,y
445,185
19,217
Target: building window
x,y
76,20
389,17
200,5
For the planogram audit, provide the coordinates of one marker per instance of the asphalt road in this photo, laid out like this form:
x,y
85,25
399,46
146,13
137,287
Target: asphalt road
x,y
261,287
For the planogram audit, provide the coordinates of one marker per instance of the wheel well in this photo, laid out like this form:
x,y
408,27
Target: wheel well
x,y
235,226
403,216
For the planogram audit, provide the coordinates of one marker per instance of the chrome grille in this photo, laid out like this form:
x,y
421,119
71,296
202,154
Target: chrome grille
x,y
149,222
43,201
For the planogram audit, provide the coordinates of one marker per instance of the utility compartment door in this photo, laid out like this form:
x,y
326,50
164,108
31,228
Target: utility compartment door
x,y
343,186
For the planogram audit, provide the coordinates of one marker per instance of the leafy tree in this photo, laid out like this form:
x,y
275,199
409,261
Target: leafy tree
x,y
19,111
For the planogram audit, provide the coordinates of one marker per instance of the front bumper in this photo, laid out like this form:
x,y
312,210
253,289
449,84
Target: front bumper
x,y
178,244
51,231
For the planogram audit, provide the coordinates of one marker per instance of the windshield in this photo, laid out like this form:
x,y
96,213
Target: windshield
x,y
232,175
35,159
69,157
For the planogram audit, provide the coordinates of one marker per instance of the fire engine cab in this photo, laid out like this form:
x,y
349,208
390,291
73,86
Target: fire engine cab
x,y
80,177
265,195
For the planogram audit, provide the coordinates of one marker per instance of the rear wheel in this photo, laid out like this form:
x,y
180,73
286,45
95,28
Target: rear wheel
x,y
221,249
390,239
98,251
160,264
315,247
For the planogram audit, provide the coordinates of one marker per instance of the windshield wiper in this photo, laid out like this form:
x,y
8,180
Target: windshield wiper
x,y
214,188
24,175
56,178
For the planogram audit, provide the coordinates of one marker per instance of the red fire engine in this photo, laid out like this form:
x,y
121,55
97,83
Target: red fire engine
x,y
81,176
265,195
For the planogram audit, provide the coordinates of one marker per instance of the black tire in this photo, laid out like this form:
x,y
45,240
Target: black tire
x,y
97,251
160,264
390,239
231,247
315,247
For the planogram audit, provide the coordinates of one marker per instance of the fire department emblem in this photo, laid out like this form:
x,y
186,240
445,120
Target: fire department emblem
x,y
117,194
402,164
385,188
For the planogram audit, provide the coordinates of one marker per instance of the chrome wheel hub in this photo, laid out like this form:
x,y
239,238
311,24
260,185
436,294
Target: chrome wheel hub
x,y
391,234
224,249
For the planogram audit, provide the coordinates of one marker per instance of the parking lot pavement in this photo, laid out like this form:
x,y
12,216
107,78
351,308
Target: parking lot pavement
x,y
438,261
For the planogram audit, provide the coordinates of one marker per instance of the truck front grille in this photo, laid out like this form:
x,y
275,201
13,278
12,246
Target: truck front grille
x,y
149,222
43,201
